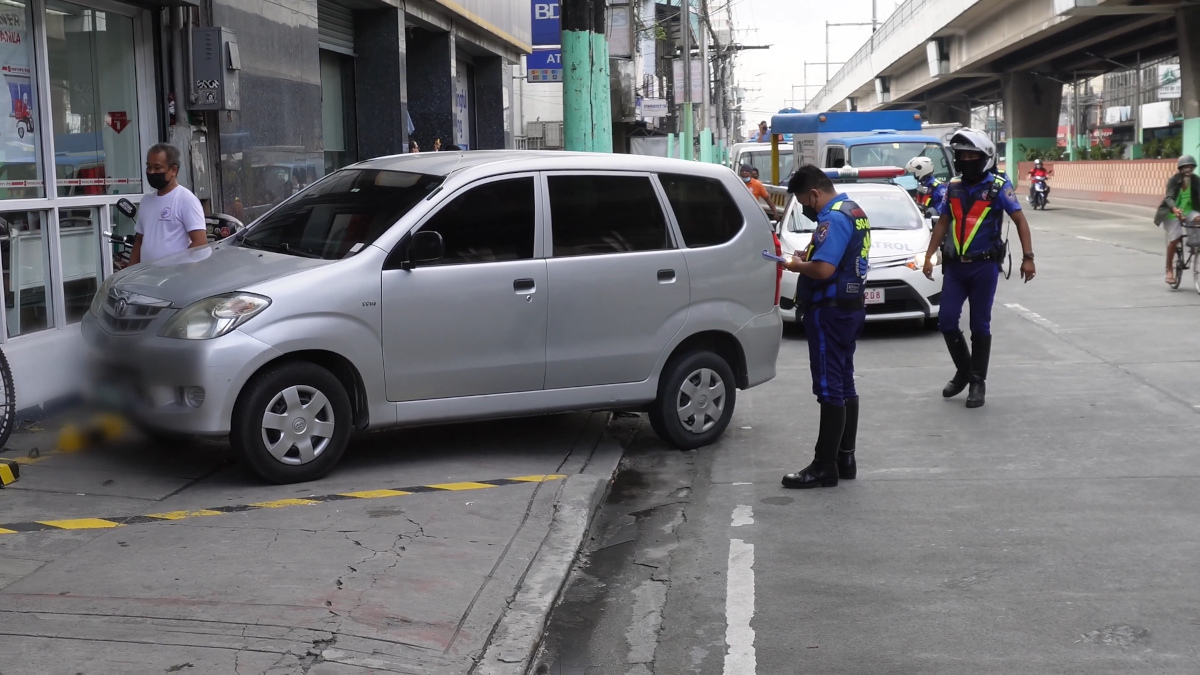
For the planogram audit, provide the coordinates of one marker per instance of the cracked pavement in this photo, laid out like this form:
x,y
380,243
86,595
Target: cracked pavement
x,y
403,584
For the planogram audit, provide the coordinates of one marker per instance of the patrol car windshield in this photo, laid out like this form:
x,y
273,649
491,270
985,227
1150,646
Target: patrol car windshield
x,y
898,154
893,210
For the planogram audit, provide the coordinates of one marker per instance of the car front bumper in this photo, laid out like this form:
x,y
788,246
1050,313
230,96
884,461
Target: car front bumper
x,y
156,380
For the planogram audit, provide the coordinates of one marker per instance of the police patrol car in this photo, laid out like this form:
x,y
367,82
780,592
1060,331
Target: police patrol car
x,y
896,289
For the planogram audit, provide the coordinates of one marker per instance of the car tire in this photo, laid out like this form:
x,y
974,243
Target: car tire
x,y
683,376
292,423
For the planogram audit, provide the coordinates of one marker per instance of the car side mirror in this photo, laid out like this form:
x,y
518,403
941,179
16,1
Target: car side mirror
x,y
127,208
425,248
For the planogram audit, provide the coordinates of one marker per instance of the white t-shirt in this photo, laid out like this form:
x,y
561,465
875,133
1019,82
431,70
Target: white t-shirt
x,y
164,222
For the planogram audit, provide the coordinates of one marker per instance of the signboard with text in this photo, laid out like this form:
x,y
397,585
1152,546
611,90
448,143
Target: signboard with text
x,y
544,65
547,23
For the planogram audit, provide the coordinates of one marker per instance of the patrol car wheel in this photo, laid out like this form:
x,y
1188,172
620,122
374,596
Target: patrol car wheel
x,y
696,397
292,423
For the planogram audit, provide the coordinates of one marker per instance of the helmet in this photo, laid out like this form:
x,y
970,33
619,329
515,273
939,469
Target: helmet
x,y
1186,160
967,139
919,167
1037,163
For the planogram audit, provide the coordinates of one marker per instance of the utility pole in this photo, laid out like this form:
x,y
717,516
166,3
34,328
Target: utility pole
x,y
587,111
827,27
601,84
685,32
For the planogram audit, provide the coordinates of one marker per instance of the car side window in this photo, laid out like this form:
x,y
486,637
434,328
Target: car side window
x,y
836,158
707,215
598,214
492,222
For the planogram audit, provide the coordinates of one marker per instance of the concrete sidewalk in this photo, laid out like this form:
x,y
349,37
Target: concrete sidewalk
x,y
422,549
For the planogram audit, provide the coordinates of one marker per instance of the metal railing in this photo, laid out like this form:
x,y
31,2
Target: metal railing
x,y
903,13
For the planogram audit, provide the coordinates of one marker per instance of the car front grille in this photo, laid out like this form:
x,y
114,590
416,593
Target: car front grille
x,y
128,313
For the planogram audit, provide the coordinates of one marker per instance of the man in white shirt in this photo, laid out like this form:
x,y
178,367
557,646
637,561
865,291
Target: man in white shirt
x,y
170,220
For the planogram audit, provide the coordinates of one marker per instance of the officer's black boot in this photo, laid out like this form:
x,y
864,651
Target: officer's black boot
x,y
956,342
847,467
981,352
823,472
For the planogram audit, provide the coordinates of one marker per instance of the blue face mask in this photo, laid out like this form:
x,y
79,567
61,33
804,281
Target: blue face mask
x,y
745,179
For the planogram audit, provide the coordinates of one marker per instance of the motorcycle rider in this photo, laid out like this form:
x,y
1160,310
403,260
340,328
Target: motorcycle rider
x,y
931,190
1039,171
969,232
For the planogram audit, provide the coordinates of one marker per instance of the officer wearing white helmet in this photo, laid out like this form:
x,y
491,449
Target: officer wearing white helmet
x,y
973,248
931,190
1179,205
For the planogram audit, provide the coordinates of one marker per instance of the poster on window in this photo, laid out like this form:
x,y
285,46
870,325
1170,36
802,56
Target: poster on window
x,y
16,97
462,107
1169,83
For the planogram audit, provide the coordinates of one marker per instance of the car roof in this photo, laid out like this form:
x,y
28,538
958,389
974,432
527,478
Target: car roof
x,y
886,138
487,162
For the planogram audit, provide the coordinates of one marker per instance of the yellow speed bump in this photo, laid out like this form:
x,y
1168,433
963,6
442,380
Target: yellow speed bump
x,y
10,472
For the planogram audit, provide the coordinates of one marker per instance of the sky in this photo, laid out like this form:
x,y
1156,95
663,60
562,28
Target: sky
x,y
795,29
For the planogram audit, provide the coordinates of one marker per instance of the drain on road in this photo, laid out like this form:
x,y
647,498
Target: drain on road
x,y
104,523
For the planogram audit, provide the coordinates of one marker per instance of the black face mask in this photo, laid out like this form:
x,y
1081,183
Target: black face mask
x,y
809,212
972,170
157,181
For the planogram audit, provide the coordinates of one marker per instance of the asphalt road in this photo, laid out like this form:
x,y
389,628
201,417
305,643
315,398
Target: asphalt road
x,y
1052,531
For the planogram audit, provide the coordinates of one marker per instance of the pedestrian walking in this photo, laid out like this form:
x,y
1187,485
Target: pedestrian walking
x,y
1183,196
169,220
833,271
973,249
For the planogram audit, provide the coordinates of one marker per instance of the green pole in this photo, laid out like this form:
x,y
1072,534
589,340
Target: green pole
x,y
577,74
671,146
706,149
686,139
602,140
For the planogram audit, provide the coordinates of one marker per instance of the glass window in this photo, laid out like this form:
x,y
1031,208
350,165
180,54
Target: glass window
x,y
707,215
606,214
93,101
898,154
121,239
489,223
78,230
334,218
20,154
894,210
23,255
337,110
761,160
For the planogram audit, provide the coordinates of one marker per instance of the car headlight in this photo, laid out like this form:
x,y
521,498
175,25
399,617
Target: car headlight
x,y
101,293
917,262
213,317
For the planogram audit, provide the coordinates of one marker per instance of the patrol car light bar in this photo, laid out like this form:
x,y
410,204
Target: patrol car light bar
x,y
865,172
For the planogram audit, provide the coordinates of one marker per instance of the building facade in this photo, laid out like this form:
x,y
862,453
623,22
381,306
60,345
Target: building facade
x,y
306,87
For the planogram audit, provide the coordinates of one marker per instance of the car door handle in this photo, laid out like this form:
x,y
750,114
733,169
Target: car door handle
x,y
523,285
666,276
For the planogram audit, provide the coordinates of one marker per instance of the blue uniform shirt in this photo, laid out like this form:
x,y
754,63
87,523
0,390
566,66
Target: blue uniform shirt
x,y
935,193
977,213
842,239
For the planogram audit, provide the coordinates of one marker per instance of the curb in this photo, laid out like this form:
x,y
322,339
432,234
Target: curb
x,y
10,472
518,633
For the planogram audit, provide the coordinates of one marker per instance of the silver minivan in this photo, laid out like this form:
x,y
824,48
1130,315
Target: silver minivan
x,y
449,286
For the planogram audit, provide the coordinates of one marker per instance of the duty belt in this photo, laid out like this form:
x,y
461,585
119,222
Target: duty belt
x,y
990,255
834,302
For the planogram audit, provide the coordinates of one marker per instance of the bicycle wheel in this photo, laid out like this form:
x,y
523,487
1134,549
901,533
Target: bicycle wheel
x,y
8,400
1196,268
1178,266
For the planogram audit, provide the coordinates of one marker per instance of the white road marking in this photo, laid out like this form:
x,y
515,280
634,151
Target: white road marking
x,y
739,610
743,483
1098,241
1035,317
743,515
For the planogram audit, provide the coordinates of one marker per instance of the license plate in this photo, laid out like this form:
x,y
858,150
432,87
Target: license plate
x,y
873,296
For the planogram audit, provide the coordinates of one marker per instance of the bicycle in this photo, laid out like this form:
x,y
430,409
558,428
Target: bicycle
x,y
1191,241
8,401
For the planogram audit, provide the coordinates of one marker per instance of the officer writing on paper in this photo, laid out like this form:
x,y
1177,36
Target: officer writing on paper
x,y
973,249
833,270
170,219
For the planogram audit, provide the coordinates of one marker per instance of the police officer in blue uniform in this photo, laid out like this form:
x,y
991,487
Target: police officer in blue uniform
x,y
931,190
973,249
833,270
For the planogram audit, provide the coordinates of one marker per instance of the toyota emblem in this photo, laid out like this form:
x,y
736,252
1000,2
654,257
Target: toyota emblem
x,y
121,307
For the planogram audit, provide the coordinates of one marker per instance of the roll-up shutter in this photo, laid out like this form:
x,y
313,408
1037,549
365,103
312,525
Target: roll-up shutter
x,y
335,27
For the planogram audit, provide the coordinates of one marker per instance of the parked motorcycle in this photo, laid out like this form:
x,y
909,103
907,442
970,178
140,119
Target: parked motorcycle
x,y
218,226
1040,190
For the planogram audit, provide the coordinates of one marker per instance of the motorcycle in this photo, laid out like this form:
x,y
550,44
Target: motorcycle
x,y
1040,190
218,226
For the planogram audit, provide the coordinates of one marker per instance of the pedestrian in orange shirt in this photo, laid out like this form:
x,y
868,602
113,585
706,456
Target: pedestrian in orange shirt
x,y
758,189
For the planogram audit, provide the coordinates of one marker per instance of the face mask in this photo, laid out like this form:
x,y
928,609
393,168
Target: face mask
x,y
745,179
157,181
971,169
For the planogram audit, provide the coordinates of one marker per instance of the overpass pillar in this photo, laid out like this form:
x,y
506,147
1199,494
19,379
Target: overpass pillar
x,y
1187,27
1031,107
946,113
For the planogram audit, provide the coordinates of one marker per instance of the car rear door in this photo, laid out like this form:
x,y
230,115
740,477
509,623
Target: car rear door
x,y
619,286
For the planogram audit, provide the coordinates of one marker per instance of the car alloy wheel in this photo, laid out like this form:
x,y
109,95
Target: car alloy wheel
x,y
298,425
701,400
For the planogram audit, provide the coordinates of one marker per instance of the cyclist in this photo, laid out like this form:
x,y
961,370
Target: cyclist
x,y
1183,196
931,190
1039,171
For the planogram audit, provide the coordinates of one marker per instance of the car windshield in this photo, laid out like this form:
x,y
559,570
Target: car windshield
x,y
898,154
893,210
338,216
761,160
